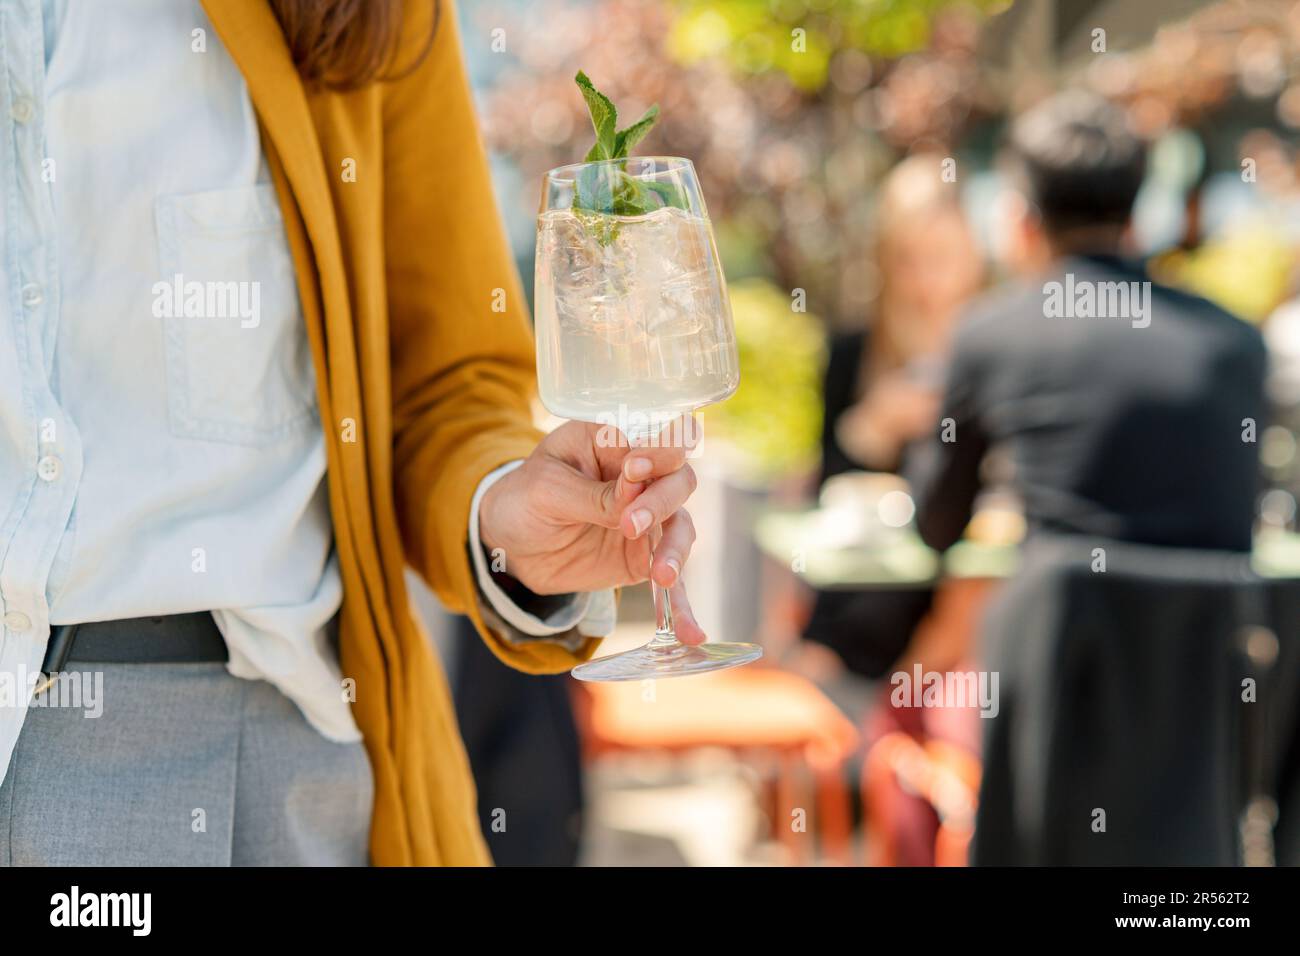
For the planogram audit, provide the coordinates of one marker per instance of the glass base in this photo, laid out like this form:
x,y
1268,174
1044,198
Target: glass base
x,y
660,659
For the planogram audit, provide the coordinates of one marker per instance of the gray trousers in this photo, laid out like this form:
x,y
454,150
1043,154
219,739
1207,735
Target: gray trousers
x,y
185,766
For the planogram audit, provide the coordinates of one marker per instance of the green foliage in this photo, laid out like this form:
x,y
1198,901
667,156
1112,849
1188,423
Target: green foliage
x,y
799,37
774,420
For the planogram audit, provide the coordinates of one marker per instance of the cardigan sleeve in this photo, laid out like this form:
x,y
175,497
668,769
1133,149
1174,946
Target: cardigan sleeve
x,y
461,342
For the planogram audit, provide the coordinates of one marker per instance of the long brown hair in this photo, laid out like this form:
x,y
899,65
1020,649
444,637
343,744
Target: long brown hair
x,y
347,44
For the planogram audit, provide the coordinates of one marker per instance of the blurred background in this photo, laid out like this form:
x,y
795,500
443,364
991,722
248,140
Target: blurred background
x,y
801,117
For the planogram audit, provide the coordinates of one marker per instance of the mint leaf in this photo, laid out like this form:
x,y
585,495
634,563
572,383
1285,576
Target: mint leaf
x,y
636,197
603,119
594,189
630,198
668,193
610,190
629,137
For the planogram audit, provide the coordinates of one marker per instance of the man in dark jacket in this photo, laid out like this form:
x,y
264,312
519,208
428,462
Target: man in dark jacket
x,y
1129,413
1129,409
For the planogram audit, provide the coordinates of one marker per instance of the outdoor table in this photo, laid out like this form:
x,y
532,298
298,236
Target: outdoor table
x,y
900,560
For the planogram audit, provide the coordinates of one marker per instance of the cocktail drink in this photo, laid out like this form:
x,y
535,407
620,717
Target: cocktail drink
x,y
634,330
632,315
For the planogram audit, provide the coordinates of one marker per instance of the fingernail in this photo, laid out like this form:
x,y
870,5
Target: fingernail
x,y
637,468
641,519
676,567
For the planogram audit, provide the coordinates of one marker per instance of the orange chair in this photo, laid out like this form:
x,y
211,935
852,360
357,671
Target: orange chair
x,y
749,710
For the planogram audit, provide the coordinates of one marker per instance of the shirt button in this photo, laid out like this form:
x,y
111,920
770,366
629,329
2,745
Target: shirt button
x,y
49,468
17,621
23,109
32,295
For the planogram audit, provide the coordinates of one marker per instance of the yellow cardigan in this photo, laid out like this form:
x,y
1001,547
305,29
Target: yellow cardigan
x,y
423,388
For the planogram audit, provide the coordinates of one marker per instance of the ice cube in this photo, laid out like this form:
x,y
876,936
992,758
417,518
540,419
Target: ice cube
x,y
588,279
686,296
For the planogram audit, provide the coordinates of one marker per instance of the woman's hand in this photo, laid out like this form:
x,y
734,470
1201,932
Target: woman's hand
x,y
894,411
586,510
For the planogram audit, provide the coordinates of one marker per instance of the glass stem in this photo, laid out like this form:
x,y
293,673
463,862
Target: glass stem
x,y
665,633
665,630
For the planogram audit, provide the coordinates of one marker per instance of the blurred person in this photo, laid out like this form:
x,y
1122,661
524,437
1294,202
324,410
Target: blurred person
x,y
881,387
210,508
1128,423
881,393
1129,426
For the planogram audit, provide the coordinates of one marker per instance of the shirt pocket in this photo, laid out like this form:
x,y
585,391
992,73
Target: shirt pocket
x,y
238,364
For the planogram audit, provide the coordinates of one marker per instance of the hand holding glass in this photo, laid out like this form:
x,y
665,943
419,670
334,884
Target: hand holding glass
x,y
634,329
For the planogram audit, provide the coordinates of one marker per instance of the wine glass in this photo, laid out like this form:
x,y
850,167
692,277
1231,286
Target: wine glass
x,y
634,330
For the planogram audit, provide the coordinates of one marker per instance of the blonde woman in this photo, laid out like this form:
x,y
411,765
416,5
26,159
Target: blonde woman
x,y
882,384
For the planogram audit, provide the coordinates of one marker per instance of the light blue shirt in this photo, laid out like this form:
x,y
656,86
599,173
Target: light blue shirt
x,y
160,446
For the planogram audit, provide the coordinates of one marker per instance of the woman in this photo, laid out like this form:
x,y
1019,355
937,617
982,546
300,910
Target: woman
x,y
882,385
261,346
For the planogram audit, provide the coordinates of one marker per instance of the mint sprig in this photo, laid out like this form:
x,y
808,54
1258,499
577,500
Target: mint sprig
x,y
609,189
